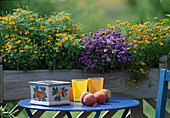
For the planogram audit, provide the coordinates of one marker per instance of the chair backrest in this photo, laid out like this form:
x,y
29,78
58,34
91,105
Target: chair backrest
x,y
162,93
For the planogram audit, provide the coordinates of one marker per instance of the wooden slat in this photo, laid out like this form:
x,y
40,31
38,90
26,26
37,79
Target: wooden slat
x,y
1,83
109,114
84,114
60,114
38,113
17,82
17,109
137,112
152,102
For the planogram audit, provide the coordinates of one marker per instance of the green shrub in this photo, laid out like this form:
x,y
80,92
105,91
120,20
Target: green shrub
x,y
150,39
28,41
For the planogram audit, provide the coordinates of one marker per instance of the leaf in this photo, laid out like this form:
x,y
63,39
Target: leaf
x,y
34,96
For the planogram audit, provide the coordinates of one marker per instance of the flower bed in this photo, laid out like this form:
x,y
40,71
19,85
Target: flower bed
x,y
30,42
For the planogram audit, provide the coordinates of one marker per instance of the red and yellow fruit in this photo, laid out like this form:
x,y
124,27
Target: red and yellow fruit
x,y
100,97
107,94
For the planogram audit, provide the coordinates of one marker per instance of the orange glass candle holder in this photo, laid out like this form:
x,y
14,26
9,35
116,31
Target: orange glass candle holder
x,y
95,84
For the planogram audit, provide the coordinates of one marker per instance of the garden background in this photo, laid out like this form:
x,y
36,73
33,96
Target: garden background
x,y
96,14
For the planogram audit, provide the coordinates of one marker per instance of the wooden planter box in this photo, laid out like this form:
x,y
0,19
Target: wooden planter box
x,y
14,85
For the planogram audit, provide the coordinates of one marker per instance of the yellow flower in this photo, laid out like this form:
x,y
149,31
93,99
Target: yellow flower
x,y
128,48
26,46
19,9
108,25
27,32
17,42
68,19
49,36
134,41
21,51
57,51
155,18
30,12
68,29
6,36
160,43
15,50
154,38
49,20
31,28
58,44
42,54
5,19
15,30
4,60
117,21
35,52
41,57
134,81
74,43
142,63
12,23
31,18
41,18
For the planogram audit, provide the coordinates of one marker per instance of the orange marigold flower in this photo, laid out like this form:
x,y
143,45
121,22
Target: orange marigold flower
x,y
49,20
57,50
58,44
142,63
15,30
65,26
155,18
74,43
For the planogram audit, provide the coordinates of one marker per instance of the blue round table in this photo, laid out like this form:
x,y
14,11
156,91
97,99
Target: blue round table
x,y
115,103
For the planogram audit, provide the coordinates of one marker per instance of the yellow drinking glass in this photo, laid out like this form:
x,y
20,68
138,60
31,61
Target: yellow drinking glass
x,y
79,86
95,84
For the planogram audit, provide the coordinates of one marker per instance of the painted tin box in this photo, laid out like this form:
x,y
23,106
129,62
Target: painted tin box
x,y
50,92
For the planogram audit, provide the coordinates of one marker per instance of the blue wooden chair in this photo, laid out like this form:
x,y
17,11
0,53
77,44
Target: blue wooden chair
x,y
162,93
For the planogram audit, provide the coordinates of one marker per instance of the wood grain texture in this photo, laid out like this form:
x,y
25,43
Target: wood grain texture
x,y
1,84
16,85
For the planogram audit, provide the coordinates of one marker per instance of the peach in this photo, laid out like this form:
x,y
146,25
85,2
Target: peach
x,y
100,97
89,100
82,96
107,94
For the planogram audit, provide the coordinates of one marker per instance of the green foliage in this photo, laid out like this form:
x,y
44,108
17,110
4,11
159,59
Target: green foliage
x,y
29,41
151,40
4,112
168,19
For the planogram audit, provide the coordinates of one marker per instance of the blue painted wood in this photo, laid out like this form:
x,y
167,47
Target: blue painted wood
x,y
115,103
68,114
162,93
125,113
29,113
97,114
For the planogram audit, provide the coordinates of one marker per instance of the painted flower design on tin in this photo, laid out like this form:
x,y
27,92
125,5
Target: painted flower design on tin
x,y
59,92
39,93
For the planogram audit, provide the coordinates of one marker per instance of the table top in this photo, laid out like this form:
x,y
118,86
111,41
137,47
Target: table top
x,y
115,103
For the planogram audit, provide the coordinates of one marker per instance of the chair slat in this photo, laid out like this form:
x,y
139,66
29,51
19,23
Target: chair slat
x,y
17,109
38,113
109,114
60,114
162,95
167,78
84,114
